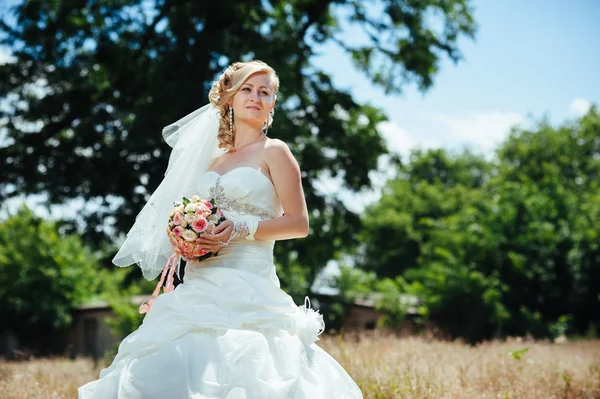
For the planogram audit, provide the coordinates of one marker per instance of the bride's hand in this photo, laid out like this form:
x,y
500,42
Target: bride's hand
x,y
221,233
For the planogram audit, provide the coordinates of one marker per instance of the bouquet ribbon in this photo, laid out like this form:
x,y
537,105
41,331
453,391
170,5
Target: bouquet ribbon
x,y
166,278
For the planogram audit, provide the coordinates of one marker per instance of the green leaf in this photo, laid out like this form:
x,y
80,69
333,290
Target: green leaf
x,y
518,354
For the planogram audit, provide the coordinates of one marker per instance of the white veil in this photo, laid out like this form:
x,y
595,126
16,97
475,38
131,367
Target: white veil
x,y
195,145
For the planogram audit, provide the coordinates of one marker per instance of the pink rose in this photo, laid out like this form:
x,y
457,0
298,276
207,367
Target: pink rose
x,y
199,225
187,249
219,213
177,231
179,220
207,204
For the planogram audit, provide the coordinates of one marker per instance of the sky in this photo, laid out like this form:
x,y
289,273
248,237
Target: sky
x,y
529,60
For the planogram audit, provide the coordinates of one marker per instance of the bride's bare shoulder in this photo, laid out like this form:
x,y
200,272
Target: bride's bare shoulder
x,y
273,143
277,154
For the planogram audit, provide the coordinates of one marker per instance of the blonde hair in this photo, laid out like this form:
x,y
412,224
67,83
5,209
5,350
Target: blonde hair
x,y
228,85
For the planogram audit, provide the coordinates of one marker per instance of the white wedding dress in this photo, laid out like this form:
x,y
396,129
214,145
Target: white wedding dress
x,y
228,331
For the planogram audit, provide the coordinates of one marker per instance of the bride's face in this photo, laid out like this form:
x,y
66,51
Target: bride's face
x,y
254,99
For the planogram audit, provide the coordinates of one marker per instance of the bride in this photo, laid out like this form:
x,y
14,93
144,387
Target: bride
x,y
228,331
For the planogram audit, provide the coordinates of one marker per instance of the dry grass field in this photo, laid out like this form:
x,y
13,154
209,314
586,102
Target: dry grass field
x,y
389,367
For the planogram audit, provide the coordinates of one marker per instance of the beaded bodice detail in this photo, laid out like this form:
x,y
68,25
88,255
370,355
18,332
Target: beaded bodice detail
x,y
232,205
243,191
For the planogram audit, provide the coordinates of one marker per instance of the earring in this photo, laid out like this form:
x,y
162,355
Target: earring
x,y
231,120
271,114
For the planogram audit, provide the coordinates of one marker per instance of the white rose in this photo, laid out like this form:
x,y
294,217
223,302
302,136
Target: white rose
x,y
195,198
191,207
179,209
213,218
190,218
189,235
179,219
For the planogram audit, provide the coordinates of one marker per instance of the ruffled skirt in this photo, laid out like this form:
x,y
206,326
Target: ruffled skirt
x,y
224,333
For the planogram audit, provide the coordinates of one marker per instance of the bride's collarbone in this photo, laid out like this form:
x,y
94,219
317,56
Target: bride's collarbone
x,y
225,166
244,157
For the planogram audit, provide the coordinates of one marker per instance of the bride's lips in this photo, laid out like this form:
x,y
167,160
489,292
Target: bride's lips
x,y
253,107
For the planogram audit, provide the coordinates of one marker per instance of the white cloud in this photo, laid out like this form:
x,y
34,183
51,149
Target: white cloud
x,y
397,138
580,106
480,130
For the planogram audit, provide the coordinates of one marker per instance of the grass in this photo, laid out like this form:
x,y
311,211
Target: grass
x,y
390,367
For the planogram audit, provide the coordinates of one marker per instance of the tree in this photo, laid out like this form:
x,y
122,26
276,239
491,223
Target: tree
x,y
431,186
507,247
547,194
94,81
43,275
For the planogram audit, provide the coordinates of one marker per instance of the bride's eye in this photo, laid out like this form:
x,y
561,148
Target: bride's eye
x,y
246,88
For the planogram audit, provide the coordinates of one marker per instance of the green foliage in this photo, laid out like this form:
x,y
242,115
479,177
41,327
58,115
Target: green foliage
x,y
430,188
518,353
112,73
548,191
561,326
355,283
393,298
127,317
507,247
43,275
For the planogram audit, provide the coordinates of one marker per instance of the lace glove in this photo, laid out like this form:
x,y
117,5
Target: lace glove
x,y
243,229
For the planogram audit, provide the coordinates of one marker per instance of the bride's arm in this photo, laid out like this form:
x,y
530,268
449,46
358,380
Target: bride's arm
x,y
287,179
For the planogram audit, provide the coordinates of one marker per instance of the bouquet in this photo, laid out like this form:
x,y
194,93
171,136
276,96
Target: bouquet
x,y
189,220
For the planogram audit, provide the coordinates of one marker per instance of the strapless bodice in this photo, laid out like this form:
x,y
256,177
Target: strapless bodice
x,y
243,192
